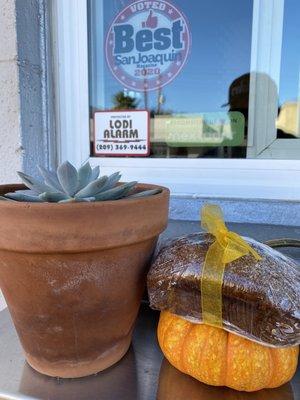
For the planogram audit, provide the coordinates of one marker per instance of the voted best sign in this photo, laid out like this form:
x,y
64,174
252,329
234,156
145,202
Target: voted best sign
x,y
147,45
122,133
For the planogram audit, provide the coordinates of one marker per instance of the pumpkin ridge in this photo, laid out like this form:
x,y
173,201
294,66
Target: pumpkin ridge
x,y
184,369
272,362
170,332
251,367
201,355
229,359
287,371
226,363
159,330
165,335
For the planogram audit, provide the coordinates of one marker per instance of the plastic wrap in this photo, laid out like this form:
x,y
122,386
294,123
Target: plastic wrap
x,y
260,298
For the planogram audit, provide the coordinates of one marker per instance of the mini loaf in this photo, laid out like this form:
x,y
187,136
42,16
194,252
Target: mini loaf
x,y
260,301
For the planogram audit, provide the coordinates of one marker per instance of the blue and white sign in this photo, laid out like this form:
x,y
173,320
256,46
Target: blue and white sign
x,y
147,45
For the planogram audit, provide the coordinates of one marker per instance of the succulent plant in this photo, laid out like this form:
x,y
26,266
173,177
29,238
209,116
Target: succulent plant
x,y
68,184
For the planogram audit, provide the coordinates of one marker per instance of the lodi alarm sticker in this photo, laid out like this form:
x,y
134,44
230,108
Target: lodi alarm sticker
x,y
147,45
122,133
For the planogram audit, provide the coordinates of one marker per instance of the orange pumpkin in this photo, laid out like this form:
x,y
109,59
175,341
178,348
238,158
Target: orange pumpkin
x,y
174,385
218,358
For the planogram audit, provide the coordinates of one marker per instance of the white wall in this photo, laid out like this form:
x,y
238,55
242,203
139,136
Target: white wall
x,y
10,151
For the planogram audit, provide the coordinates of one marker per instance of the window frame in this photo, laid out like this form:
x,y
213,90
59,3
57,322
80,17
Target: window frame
x,y
263,102
226,178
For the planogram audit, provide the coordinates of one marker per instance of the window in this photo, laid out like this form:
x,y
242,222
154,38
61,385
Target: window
x,y
225,124
192,113
288,120
274,92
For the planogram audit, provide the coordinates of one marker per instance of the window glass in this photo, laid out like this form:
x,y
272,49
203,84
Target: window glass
x,y
188,63
288,121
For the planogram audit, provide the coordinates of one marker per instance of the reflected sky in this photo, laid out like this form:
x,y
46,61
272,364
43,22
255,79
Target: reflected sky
x,y
290,53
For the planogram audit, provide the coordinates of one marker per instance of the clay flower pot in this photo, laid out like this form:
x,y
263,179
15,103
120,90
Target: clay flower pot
x,y
73,276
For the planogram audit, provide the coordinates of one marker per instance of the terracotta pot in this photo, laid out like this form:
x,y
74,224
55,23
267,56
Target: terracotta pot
x,y
73,276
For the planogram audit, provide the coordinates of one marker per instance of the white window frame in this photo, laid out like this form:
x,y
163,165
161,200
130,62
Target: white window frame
x,y
227,178
267,30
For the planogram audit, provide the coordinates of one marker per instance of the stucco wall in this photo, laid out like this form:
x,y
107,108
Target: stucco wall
x,y
10,151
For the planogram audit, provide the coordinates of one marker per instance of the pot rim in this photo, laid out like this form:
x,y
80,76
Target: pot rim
x,y
92,204
81,227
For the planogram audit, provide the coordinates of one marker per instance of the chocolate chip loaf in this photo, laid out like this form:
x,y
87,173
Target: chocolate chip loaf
x,y
261,299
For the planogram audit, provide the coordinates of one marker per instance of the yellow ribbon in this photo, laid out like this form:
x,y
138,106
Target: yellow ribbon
x,y
227,247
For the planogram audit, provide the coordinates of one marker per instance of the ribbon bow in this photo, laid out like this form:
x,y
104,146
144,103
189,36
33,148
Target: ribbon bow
x,y
228,247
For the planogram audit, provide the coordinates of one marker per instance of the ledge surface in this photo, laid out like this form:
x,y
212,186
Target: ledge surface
x,y
272,212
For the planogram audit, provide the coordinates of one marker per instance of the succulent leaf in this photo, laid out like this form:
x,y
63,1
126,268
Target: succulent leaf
x,y
53,197
33,183
111,182
74,200
68,178
84,175
27,191
23,197
69,185
144,193
95,173
86,200
92,188
50,178
115,193
69,200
